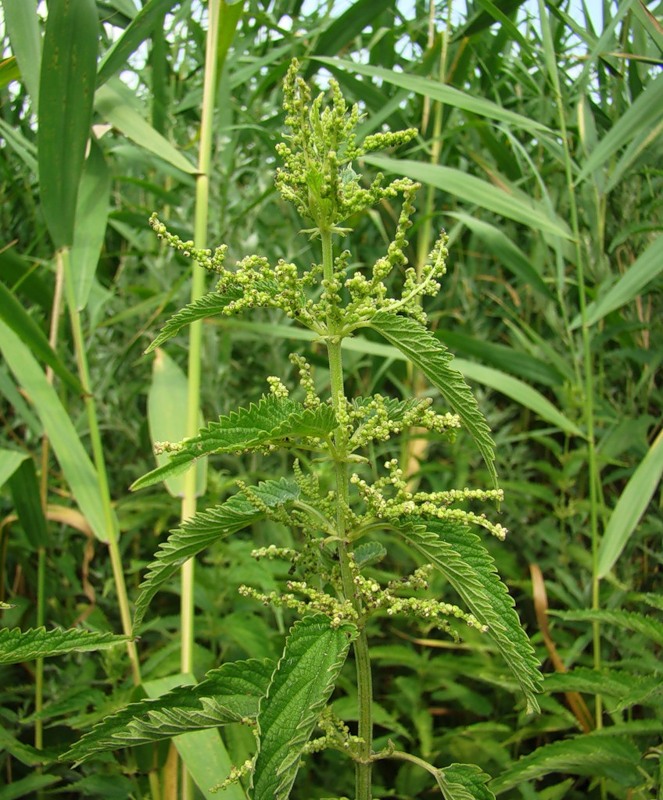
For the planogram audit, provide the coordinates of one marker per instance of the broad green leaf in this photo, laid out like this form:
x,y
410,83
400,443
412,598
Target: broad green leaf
x,y
17,646
476,191
629,620
203,753
166,414
636,278
23,28
206,528
503,248
644,114
74,461
24,326
592,754
10,461
270,421
91,219
464,782
460,556
441,92
228,694
434,360
630,507
139,29
301,685
114,105
25,489
66,91
229,17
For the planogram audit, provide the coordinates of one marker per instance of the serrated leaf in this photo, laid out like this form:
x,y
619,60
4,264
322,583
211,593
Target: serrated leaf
x,y
625,687
209,305
228,694
433,359
632,621
464,782
460,556
17,645
592,755
270,421
302,682
206,528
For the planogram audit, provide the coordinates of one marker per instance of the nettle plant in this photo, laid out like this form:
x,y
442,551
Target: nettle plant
x,y
343,519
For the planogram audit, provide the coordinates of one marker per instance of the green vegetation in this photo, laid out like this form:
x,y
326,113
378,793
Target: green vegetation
x,y
348,629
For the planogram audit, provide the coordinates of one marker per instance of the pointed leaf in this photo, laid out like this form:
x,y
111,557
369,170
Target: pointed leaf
x,y
24,326
271,421
639,623
627,688
167,401
433,359
301,685
113,104
593,755
460,556
91,219
72,457
476,191
10,461
17,646
633,282
464,782
440,92
25,488
66,91
228,694
631,506
134,35
206,528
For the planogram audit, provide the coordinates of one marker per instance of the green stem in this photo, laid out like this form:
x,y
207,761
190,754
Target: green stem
x,y
361,651
99,462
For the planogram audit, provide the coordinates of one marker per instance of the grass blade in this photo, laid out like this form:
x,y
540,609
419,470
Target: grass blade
x,y
23,28
66,91
473,190
630,507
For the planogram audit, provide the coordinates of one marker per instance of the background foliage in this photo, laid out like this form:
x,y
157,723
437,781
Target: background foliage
x,y
540,152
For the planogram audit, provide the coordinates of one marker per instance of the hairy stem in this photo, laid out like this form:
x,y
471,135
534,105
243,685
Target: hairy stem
x,y
362,656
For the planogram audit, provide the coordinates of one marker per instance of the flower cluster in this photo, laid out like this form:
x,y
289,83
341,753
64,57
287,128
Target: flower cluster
x,y
388,498
317,176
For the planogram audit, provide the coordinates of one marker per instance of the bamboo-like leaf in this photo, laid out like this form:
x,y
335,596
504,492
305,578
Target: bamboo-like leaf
x,y
10,461
134,35
66,91
592,754
302,682
24,326
74,461
22,24
113,105
440,92
464,782
629,620
25,488
636,278
631,506
475,191
509,254
642,115
228,694
206,528
270,421
460,556
166,414
433,359
17,646
91,219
